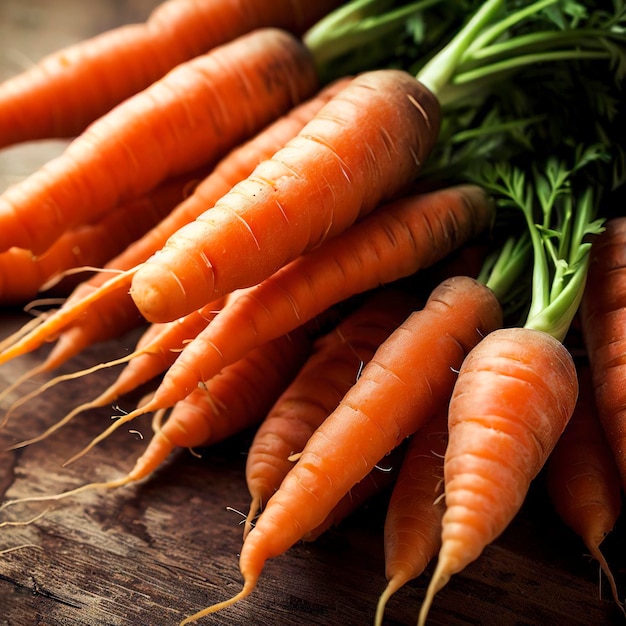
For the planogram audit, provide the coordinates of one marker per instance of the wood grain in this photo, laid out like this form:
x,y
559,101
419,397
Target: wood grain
x,y
152,553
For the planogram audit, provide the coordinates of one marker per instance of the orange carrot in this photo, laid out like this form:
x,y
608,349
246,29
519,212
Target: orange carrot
x,y
230,402
396,241
181,122
69,89
102,297
412,531
90,246
603,316
408,380
364,147
515,393
582,478
316,391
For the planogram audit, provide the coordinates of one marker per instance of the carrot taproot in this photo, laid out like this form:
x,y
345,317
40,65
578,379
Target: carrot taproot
x,y
316,391
365,146
396,241
69,89
602,318
412,530
514,395
101,296
408,380
88,247
582,478
181,122
237,164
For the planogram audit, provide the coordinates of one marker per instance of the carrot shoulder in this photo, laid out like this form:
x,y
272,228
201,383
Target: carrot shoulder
x,y
69,89
515,393
603,318
365,146
184,120
409,379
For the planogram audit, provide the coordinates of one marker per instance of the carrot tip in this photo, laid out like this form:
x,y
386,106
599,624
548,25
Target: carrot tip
x,y
248,587
395,582
439,580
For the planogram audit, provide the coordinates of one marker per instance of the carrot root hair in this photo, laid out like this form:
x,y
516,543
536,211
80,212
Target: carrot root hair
x,y
111,484
605,569
255,507
59,379
123,419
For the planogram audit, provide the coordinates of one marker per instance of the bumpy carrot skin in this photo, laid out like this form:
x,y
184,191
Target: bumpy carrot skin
x,y
316,391
181,122
69,89
377,482
365,146
515,394
407,381
412,532
582,478
603,319
393,243
233,400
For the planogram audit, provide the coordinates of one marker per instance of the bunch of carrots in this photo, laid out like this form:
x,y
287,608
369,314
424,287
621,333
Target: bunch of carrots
x,y
278,196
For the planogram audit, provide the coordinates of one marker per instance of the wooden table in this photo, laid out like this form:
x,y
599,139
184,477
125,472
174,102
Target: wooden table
x,y
152,553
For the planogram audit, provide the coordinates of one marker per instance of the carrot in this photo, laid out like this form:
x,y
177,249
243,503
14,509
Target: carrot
x,y
88,247
412,532
364,146
102,297
316,391
69,89
603,314
515,393
396,241
517,389
409,379
582,478
181,122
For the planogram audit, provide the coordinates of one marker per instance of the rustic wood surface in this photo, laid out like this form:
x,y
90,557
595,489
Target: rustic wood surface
x,y
152,553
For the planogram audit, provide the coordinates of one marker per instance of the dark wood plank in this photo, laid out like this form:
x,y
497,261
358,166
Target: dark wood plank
x,y
152,553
